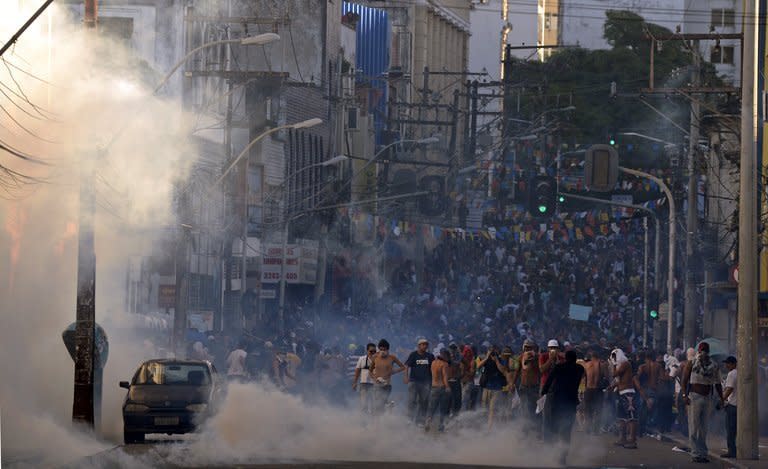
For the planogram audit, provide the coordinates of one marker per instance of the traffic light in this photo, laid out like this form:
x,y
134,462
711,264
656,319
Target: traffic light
x,y
601,168
654,314
612,140
542,197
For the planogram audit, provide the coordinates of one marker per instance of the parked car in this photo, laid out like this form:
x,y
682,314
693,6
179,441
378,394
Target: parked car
x,y
169,396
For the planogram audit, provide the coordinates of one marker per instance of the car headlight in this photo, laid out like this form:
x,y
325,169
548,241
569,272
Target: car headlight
x,y
197,407
136,408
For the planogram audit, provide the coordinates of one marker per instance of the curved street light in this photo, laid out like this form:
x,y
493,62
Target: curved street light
x,y
258,40
299,125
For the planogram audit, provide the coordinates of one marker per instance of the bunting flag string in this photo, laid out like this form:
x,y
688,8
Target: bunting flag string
x,y
575,226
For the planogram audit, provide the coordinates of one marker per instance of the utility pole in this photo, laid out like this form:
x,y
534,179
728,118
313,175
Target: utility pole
x,y
691,309
85,314
747,332
645,283
508,109
183,243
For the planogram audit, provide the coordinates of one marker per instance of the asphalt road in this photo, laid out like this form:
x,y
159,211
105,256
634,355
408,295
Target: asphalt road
x,y
586,451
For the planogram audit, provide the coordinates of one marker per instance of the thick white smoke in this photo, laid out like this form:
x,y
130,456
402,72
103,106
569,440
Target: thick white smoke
x,y
260,423
65,86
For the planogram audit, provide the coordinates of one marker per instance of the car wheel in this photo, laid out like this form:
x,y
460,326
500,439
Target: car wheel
x,y
130,437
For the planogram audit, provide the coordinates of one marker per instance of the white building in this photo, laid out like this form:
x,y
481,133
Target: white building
x,y
582,20
717,16
581,23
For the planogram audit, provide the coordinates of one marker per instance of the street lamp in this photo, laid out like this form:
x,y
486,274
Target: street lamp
x,y
420,141
258,40
281,309
298,125
647,137
83,405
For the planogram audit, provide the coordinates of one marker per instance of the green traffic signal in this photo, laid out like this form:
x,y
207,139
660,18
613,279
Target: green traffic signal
x,y
613,141
542,209
654,314
561,199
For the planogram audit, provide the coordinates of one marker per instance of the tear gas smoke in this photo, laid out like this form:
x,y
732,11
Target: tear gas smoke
x,y
73,89
259,423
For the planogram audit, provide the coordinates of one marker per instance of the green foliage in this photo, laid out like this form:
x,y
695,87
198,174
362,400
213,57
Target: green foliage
x,y
587,75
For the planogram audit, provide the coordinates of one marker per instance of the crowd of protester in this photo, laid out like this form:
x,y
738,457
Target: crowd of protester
x,y
489,321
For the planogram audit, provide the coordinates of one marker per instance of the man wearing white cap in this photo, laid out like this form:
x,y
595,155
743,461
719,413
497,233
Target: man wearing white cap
x,y
418,377
547,361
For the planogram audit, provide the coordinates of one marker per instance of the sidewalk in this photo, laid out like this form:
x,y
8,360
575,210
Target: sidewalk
x,y
717,446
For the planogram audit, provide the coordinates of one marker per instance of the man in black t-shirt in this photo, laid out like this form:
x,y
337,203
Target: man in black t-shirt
x,y
418,377
563,382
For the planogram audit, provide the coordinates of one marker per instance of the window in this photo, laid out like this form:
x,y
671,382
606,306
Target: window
x,y
722,55
118,28
722,17
172,373
255,217
550,21
255,178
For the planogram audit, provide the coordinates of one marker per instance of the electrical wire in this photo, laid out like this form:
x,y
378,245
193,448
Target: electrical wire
x,y
293,48
25,129
37,108
25,72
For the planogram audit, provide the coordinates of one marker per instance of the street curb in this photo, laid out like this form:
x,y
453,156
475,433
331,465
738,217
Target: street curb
x,y
684,442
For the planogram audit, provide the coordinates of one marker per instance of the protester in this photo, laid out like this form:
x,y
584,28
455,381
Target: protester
x,y
528,376
562,389
418,377
593,392
700,374
236,370
454,379
468,369
649,374
629,403
363,379
729,396
440,393
665,396
547,362
382,369
493,381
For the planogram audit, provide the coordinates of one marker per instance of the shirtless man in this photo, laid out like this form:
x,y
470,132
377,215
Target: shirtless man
x,y
628,387
593,393
649,374
529,375
382,369
439,396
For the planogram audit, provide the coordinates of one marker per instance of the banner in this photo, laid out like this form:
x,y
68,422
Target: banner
x,y
579,312
272,261
300,262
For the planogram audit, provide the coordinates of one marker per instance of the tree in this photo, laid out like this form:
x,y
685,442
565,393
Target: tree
x,y
586,77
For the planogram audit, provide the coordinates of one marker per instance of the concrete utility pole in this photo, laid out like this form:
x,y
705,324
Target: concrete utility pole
x,y
746,342
85,315
183,247
691,309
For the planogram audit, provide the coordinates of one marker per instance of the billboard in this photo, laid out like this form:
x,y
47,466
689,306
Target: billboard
x,y
300,263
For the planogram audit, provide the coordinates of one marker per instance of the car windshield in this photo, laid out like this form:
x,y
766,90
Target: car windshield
x,y
173,373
